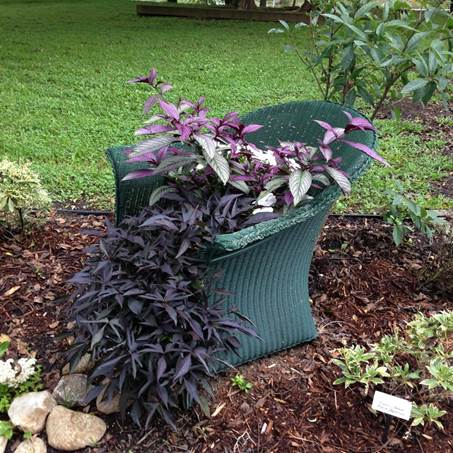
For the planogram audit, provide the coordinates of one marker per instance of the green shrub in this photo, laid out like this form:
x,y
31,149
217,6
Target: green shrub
x,y
376,51
415,363
20,191
402,208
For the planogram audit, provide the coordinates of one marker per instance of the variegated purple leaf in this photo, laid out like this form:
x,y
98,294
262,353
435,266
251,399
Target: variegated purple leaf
x,y
153,144
154,129
299,184
358,123
208,144
251,128
149,104
152,76
326,151
332,135
367,150
169,109
340,178
164,87
137,174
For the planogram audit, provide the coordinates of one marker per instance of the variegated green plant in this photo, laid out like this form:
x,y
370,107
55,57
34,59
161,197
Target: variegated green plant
x,y
415,363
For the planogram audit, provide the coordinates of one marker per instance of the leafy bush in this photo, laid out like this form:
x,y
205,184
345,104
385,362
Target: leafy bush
x,y
402,208
376,51
20,191
17,377
416,363
143,308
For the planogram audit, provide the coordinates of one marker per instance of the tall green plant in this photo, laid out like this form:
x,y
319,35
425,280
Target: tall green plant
x,y
376,51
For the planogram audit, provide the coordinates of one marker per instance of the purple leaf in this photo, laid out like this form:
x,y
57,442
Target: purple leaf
x,y
340,178
332,135
169,109
154,129
324,125
149,104
161,367
367,150
152,76
326,151
137,174
358,123
146,157
164,87
182,367
251,128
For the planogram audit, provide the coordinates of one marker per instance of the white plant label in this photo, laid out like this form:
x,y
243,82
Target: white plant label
x,y
392,405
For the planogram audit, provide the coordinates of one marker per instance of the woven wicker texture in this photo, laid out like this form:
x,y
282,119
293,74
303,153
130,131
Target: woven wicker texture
x,y
266,266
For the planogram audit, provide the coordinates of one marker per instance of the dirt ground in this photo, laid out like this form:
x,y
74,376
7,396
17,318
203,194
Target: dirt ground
x,y
362,287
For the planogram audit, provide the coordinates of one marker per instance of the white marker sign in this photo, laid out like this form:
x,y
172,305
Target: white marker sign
x,y
392,405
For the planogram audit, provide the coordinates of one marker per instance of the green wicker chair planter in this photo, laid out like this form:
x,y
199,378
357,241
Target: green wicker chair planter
x,y
266,266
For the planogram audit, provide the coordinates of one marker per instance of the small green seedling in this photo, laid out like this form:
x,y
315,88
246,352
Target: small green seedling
x,y
241,383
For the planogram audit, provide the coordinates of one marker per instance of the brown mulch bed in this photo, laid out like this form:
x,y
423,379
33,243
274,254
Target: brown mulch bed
x,y
362,287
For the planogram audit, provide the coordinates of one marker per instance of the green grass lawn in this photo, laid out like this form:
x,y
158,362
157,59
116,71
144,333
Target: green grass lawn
x,y
63,68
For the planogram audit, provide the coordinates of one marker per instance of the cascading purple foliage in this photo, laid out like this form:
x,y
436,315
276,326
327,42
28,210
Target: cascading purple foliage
x,y
141,304
144,302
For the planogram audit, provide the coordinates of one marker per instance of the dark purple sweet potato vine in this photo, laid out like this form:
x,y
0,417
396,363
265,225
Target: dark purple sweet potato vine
x,y
141,304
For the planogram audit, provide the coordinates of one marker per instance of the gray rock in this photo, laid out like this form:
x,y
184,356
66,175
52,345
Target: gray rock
x,y
29,411
71,390
69,430
84,365
3,442
33,445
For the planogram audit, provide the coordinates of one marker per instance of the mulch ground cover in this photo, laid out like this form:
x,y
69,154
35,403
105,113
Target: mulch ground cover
x,y
362,287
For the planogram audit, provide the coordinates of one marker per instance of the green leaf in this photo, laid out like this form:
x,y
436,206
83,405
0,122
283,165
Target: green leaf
x,y
399,23
415,39
6,429
432,63
397,235
350,98
299,184
334,18
348,58
365,9
414,85
4,345
357,31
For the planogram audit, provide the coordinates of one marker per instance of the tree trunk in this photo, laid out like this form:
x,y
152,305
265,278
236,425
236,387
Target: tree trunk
x,y
247,4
